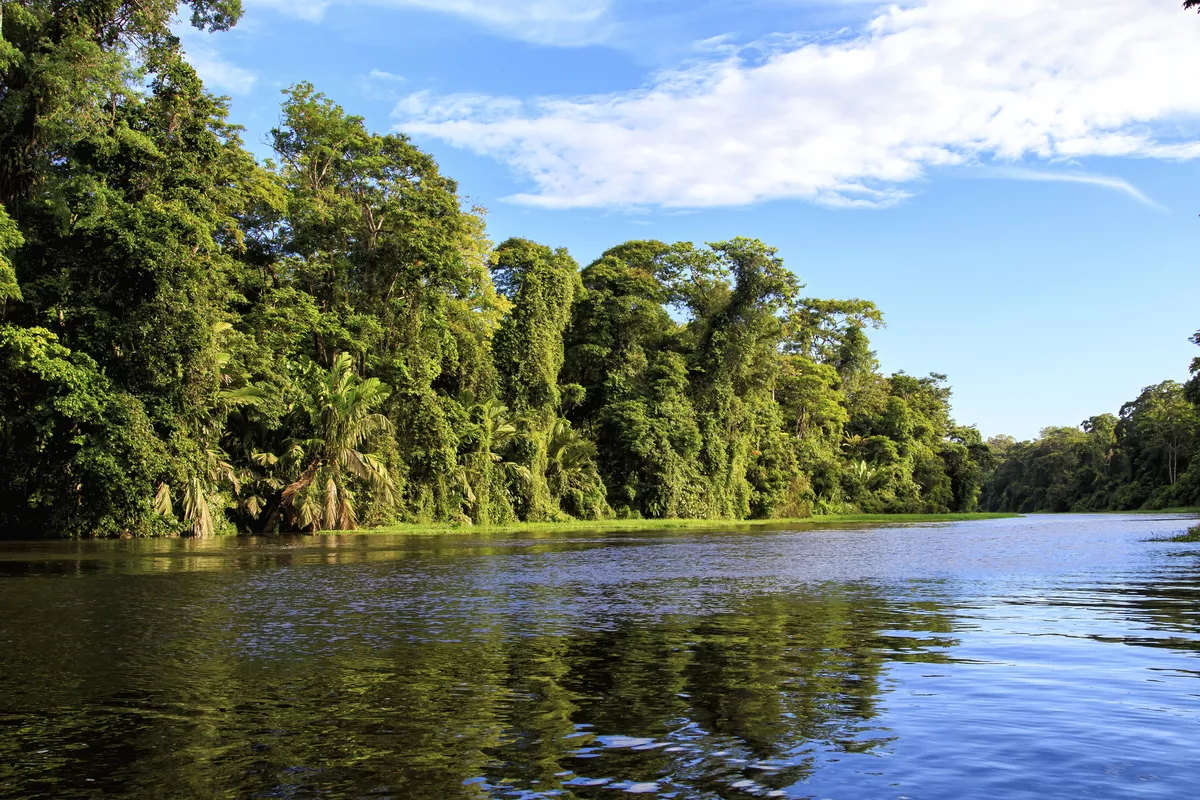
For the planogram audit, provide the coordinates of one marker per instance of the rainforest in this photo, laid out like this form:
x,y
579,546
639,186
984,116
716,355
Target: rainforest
x,y
197,342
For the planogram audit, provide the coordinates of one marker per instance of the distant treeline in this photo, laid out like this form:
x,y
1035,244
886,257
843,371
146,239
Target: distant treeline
x,y
1145,457
193,341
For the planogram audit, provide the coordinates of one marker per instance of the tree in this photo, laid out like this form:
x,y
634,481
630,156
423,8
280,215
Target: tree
x,y
542,285
484,471
736,364
377,243
1192,388
571,473
63,67
127,186
10,240
80,456
343,418
820,329
630,358
1143,458
1170,424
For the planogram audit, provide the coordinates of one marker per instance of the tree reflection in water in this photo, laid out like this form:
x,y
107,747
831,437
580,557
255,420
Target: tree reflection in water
x,y
706,666
244,691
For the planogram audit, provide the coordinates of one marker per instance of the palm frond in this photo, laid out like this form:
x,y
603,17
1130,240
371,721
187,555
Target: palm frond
x,y
162,501
519,473
308,512
331,504
196,509
254,504
264,459
347,519
298,486
243,396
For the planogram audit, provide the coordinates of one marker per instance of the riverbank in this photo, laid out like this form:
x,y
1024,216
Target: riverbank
x,y
1192,535
434,529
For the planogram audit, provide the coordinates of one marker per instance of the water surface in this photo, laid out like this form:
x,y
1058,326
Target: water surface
x,y
1045,656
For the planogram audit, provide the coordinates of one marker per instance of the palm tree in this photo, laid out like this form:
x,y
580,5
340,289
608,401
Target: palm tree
x,y
342,417
493,430
257,446
570,464
203,488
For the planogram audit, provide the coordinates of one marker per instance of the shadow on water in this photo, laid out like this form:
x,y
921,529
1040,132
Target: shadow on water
x,y
709,666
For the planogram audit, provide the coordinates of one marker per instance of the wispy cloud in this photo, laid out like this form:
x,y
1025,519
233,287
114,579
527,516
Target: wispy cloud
x,y
1105,181
385,77
556,22
217,72
311,10
855,121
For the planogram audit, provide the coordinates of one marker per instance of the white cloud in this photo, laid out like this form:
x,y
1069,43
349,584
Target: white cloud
x,y
385,77
218,73
856,121
1106,181
557,22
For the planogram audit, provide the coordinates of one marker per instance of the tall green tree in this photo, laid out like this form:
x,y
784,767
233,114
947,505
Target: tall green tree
x,y
485,471
344,420
1193,386
127,185
64,69
80,456
1168,425
10,241
630,357
378,244
542,285
738,334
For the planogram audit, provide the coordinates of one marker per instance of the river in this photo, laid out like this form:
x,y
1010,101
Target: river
x,y
1049,656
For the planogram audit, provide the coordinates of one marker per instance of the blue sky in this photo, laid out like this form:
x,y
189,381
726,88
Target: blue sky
x,y
1015,184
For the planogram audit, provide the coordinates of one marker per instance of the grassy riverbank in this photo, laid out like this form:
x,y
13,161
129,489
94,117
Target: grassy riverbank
x,y
419,529
1191,535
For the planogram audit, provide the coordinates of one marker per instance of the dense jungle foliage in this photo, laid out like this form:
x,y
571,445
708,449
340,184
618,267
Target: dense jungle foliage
x,y
192,341
1143,457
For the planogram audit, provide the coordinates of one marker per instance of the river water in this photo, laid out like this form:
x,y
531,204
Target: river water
x,y
1024,658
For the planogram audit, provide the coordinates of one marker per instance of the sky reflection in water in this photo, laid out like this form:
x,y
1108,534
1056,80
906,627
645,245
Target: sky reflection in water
x,y
1019,658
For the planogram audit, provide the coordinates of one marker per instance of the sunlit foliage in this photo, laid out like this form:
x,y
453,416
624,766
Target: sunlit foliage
x,y
196,342
1145,457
